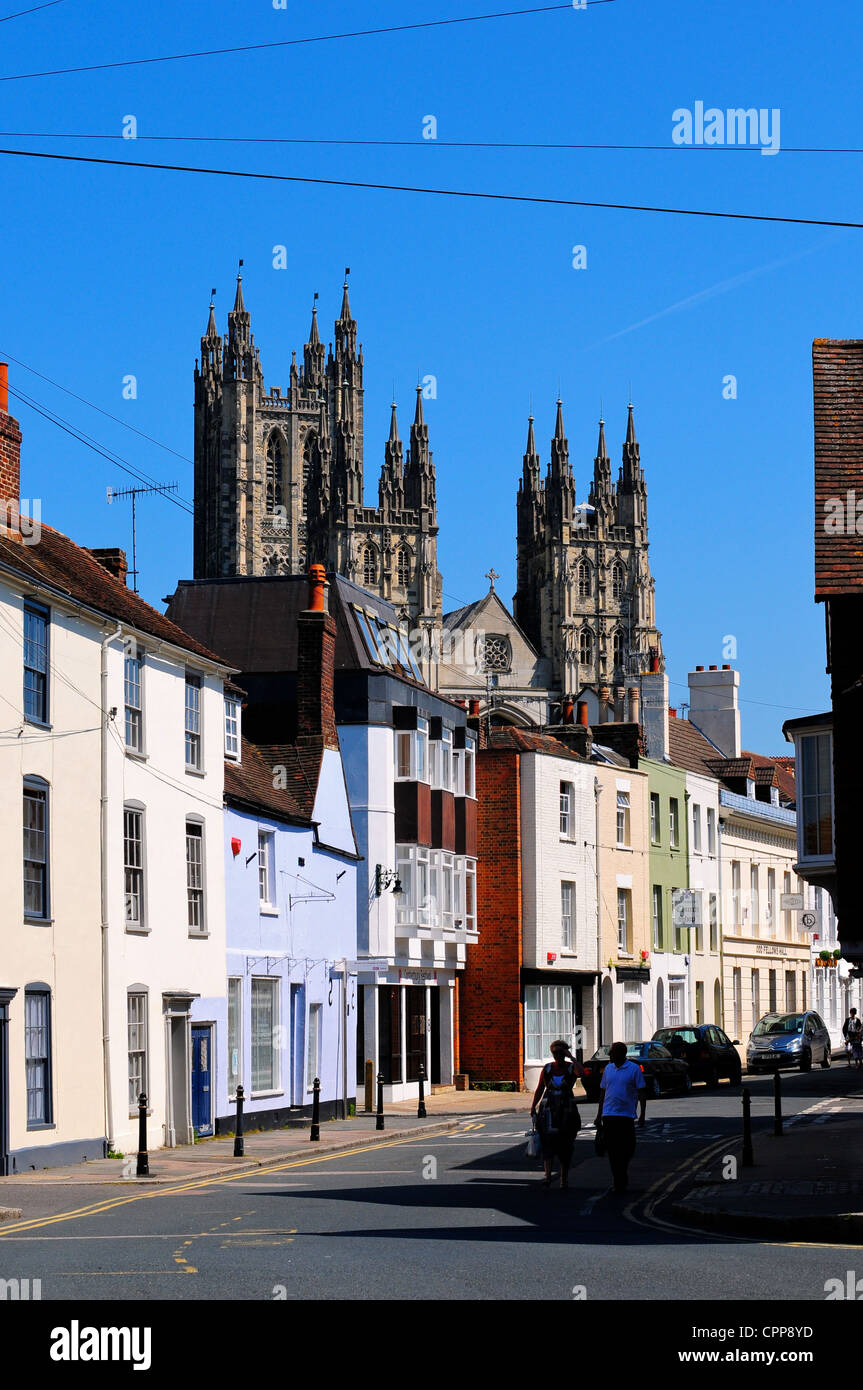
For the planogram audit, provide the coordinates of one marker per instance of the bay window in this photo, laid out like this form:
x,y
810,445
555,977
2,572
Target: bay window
x,y
547,1017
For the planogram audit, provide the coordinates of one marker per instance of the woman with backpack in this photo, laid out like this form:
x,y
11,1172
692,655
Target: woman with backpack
x,y
556,1112
853,1031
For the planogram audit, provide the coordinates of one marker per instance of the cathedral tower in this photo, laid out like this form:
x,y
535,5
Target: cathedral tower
x,y
585,594
279,477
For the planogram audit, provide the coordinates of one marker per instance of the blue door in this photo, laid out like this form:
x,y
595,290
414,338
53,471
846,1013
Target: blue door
x,y
202,1108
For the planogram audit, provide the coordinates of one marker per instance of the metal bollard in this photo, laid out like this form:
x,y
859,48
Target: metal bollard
x,y
748,1158
379,1122
316,1110
239,1146
142,1168
777,1106
421,1108
370,1086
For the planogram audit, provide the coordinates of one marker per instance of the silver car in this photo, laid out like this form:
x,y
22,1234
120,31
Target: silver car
x,y
788,1040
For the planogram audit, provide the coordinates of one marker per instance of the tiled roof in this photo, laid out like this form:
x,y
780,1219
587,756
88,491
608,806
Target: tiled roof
x,y
258,780
732,767
71,570
524,741
785,774
689,749
837,370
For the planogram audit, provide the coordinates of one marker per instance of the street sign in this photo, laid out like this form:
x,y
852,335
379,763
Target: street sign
x,y
375,964
791,902
684,908
809,921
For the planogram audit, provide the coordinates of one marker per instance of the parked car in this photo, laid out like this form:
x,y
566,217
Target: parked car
x,y
788,1040
662,1072
708,1051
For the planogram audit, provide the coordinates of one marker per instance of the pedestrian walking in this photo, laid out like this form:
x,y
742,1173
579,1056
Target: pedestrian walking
x,y
852,1031
622,1093
555,1110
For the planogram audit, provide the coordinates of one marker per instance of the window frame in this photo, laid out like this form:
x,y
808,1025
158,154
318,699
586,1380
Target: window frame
x,y
566,800
656,916
541,1002
41,992
41,673
622,822
654,819
196,827
314,1043
37,791
142,1051
674,822
139,870
267,869
696,827
567,914
624,898
194,714
233,734
234,1035
273,983
136,658
711,830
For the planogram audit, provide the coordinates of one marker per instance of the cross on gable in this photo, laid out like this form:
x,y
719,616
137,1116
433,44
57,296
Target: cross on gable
x,y
491,575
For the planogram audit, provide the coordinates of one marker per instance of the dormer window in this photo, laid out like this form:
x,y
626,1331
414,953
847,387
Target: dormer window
x,y
750,788
774,796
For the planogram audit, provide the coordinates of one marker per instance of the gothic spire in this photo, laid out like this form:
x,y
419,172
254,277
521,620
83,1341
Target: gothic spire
x,y
391,486
314,335
345,326
602,490
419,469
313,356
394,426
631,487
531,469
212,332
559,468
630,427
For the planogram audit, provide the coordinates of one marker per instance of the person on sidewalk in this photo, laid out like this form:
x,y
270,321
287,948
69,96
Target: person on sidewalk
x,y
622,1092
852,1032
556,1113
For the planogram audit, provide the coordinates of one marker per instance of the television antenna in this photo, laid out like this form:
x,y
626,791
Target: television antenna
x,y
112,493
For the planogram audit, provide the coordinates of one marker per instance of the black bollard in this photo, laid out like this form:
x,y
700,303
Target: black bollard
x,y
142,1169
421,1108
379,1122
748,1158
777,1106
239,1146
316,1110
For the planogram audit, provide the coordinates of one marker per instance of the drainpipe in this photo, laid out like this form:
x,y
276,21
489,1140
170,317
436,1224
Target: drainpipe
x,y
103,835
597,793
719,924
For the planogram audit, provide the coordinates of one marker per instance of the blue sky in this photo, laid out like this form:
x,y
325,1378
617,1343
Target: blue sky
x,y
107,273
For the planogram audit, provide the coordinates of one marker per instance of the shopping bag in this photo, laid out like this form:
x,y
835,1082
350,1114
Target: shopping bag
x,y
534,1146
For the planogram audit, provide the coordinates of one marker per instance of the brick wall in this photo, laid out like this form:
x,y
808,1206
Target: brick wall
x,y
10,458
490,1012
315,656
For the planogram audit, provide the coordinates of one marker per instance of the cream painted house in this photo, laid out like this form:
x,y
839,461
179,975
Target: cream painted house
x,y
623,884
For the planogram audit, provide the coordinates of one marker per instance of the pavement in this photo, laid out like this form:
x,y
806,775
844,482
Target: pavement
x,y
805,1184
207,1158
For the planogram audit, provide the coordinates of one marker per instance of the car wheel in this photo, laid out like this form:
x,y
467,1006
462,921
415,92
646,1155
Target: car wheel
x,y
826,1059
655,1088
806,1060
712,1078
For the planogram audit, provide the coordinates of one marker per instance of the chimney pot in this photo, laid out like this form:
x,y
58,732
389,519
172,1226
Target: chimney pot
x,y
582,713
726,667
713,668
473,709
317,585
4,388
699,668
672,712
566,710
10,445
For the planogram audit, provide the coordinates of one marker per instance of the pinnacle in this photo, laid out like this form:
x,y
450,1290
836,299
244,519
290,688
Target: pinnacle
x,y
601,450
419,419
239,305
394,426
558,425
630,427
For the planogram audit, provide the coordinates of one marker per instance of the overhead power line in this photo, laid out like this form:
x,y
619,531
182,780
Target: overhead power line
x,y
420,143
295,43
4,19
436,192
7,357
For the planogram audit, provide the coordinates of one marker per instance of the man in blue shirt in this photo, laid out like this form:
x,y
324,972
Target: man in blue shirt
x,y
622,1092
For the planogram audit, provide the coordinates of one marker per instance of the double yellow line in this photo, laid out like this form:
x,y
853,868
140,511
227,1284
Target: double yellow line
x,y
96,1208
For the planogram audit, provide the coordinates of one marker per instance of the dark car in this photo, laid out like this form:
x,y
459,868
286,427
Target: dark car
x,y
662,1072
708,1051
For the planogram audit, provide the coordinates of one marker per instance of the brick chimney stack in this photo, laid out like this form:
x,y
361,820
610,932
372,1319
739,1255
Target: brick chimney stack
x,y
316,716
10,444
113,560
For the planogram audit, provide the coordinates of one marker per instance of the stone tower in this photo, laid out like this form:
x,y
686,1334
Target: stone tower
x,y
585,594
279,478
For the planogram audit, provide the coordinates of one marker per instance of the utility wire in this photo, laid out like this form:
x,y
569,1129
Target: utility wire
x,y
97,448
439,192
4,19
420,143
294,43
7,356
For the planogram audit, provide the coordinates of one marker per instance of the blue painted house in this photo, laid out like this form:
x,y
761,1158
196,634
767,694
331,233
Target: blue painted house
x,y
289,1012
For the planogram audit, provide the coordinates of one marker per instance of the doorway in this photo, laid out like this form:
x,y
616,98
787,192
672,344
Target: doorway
x,y
6,997
202,1095
416,1030
298,1043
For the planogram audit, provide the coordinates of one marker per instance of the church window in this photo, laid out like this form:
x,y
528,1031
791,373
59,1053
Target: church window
x,y
370,566
496,652
618,648
618,581
403,567
274,473
585,647
584,584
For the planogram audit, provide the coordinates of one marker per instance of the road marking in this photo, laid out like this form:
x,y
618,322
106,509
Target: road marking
x,y
9,1229
587,1209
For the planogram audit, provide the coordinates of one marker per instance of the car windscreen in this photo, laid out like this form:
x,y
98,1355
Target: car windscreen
x,y
778,1023
603,1053
668,1035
